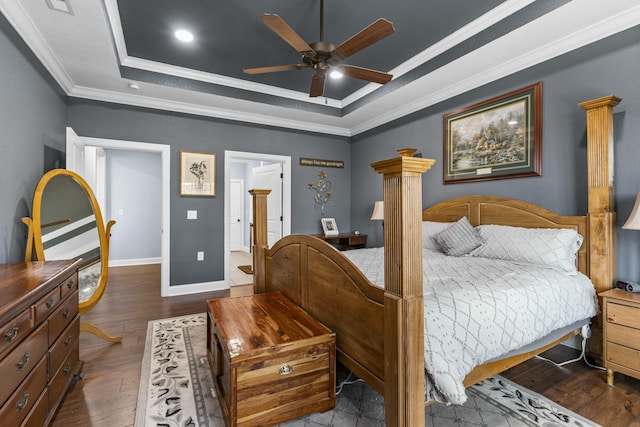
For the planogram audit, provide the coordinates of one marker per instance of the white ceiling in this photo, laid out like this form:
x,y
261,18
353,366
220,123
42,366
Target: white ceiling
x,y
86,52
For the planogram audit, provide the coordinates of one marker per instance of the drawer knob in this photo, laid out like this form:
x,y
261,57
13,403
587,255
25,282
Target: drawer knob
x,y
22,402
67,341
11,334
67,368
49,302
285,369
70,284
23,362
66,312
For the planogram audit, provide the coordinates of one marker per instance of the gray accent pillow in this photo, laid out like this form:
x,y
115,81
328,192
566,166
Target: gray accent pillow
x,y
459,239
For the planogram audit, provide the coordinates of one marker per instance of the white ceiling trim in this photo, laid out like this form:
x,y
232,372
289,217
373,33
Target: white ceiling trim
x,y
483,75
206,111
437,86
20,20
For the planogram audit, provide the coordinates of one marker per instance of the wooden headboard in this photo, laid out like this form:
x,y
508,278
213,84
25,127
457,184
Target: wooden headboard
x,y
504,211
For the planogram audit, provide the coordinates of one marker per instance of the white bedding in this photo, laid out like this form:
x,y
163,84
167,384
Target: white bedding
x,y
477,309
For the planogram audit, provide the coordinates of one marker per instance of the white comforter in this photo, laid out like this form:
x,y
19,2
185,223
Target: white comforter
x,y
477,309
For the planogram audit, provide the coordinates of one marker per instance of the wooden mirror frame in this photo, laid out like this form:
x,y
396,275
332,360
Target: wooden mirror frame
x,y
34,242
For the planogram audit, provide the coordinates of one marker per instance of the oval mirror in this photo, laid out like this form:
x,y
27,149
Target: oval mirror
x,y
67,224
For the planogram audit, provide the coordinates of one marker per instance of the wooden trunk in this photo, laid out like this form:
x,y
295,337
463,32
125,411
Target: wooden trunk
x,y
271,361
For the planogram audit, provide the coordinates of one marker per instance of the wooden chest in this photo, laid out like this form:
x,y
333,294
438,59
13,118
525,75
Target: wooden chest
x,y
271,361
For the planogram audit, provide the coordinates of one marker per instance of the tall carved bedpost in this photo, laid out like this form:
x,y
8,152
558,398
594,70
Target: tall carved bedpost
x,y
600,216
403,300
260,241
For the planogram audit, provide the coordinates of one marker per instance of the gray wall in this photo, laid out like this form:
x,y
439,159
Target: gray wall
x,y
182,132
32,116
134,201
609,67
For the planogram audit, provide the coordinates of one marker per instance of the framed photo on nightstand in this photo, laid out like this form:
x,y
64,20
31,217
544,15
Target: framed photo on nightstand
x,y
329,226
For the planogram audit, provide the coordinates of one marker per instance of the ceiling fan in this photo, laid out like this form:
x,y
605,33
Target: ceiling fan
x,y
323,56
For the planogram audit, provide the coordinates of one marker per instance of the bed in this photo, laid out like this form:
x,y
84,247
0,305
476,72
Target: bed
x,y
380,330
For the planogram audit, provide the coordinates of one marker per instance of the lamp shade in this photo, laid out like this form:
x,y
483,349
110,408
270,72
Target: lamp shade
x,y
378,210
633,222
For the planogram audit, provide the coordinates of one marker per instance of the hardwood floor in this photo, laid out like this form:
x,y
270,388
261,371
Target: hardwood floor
x,y
107,394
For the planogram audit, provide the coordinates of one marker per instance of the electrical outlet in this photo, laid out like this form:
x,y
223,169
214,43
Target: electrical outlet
x,y
200,256
192,214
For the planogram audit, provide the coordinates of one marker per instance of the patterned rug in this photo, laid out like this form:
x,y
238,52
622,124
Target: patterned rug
x,y
176,390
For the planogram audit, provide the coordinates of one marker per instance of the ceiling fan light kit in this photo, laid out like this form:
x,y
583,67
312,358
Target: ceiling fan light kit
x,y
323,56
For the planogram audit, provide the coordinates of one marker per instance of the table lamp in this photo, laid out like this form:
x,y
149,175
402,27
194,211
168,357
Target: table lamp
x,y
633,222
378,211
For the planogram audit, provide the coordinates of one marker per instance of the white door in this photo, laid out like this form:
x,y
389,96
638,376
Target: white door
x,y
75,152
236,219
270,178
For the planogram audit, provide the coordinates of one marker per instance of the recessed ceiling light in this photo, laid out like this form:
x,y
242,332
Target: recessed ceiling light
x,y
184,36
336,74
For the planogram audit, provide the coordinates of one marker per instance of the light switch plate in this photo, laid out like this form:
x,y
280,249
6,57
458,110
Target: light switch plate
x,y
192,214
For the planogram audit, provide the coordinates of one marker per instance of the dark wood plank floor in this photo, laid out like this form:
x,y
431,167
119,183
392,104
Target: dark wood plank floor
x,y
108,393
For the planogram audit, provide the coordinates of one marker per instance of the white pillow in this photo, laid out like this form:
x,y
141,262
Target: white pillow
x,y
549,247
459,239
430,229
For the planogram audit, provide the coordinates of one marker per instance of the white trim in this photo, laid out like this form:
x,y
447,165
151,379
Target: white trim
x,y
196,288
229,156
165,152
134,261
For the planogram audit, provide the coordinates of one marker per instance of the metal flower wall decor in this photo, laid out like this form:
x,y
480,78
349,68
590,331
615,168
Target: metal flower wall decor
x,y
322,192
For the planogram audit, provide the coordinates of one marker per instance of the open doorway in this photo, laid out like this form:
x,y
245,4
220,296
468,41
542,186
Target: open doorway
x,y
250,168
77,159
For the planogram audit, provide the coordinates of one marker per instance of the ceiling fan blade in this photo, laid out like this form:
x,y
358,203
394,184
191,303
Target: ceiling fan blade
x,y
317,85
366,74
281,28
368,36
274,68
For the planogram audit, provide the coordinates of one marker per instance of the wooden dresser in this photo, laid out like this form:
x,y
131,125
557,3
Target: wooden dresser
x,y
271,361
39,339
621,321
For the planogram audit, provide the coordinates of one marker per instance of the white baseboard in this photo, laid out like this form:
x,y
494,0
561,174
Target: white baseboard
x,y
196,288
134,261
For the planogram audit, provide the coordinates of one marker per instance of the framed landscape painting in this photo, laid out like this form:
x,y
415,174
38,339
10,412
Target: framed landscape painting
x,y
197,174
495,139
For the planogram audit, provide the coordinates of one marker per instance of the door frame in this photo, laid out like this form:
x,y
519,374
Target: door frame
x,y
165,153
242,235
242,156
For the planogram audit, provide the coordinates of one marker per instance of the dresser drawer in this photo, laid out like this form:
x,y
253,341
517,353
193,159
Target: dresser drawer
x,y
13,332
65,342
623,335
18,364
623,356
68,286
58,384
63,316
23,399
625,315
358,240
45,306
39,412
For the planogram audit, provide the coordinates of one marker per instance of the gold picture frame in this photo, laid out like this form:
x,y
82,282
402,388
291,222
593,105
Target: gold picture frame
x,y
495,139
197,174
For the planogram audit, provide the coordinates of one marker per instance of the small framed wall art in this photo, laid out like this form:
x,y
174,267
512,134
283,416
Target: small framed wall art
x,y
197,174
495,139
329,226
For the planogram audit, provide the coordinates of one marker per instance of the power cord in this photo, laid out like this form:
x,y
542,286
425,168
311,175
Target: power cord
x,y
586,334
346,382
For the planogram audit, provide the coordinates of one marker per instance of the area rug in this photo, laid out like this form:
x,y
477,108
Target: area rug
x,y
176,389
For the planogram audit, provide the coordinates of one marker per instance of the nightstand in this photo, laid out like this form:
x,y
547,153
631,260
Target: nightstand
x,y
346,241
621,327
